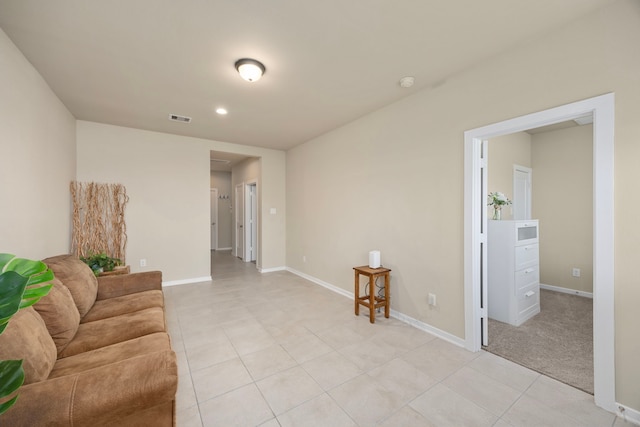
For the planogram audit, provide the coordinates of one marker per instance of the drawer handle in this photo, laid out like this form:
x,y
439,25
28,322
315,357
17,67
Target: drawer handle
x,y
529,294
529,270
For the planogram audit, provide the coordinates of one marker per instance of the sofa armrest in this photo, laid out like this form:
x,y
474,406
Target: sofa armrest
x,y
125,284
100,396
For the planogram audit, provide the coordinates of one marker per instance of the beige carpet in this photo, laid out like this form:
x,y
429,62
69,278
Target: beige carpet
x,y
558,342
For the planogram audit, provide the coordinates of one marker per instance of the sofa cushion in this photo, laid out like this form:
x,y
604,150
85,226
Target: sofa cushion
x,y
77,277
26,337
106,396
60,314
112,330
111,354
124,304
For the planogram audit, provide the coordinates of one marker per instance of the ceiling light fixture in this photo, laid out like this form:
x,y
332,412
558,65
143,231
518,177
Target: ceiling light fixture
x,y
250,69
221,111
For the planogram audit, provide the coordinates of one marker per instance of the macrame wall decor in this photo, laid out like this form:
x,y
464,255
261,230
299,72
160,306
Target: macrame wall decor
x,y
98,219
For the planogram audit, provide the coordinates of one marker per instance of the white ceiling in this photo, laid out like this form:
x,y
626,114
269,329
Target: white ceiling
x,y
134,62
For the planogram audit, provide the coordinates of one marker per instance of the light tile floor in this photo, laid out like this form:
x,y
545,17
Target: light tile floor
x,y
275,350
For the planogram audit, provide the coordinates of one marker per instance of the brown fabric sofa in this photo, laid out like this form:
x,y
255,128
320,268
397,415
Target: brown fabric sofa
x,y
96,352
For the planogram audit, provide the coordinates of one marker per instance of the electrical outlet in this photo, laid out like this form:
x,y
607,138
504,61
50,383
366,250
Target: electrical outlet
x,y
304,258
143,262
575,272
432,299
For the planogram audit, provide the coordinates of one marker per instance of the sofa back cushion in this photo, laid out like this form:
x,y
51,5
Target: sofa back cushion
x,y
60,314
26,337
78,278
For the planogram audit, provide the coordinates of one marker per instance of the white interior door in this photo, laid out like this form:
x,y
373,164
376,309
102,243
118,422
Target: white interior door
x,y
251,222
521,192
239,220
214,219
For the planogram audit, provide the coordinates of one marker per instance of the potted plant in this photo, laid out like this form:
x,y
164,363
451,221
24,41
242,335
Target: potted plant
x,y
101,262
498,200
22,283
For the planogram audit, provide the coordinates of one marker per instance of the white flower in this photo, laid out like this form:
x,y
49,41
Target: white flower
x,y
498,198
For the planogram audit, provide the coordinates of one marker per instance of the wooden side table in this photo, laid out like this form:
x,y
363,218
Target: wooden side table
x,y
372,301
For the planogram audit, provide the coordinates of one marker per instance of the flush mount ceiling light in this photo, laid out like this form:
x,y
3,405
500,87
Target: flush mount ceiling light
x,y
222,111
250,69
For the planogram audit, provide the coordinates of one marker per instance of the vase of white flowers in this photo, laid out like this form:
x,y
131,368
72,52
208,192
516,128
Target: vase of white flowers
x,y
498,200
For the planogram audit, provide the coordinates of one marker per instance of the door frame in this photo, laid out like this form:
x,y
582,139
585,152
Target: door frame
x,y
602,108
214,221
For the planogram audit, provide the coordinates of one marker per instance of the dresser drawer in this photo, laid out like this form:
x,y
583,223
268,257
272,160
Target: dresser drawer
x,y
527,277
528,297
526,256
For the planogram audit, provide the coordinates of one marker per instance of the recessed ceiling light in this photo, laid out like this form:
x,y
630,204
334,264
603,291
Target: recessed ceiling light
x,y
407,81
221,111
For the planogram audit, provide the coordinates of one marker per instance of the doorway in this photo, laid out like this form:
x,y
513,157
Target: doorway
x,y
475,191
540,314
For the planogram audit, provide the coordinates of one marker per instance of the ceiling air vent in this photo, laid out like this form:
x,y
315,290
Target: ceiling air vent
x,y
181,119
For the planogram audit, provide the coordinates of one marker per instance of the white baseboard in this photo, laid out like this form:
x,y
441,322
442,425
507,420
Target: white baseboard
x,y
321,283
187,281
428,328
393,313
272,269
566,291
630,415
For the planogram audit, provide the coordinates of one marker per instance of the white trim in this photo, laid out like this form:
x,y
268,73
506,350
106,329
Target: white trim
x,y
602,107
393,313
187,281
321,283
566,291
428,328
271,270
224,249
628,414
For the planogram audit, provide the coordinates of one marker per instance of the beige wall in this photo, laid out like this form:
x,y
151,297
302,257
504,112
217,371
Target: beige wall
x,y
393,180
37,137
222,181
563,202
504,152
168,182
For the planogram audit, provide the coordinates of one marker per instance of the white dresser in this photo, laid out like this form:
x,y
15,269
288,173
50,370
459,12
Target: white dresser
x,y
513,270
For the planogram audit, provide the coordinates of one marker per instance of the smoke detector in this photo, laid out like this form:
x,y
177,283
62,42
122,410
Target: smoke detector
x,y
181,119
407,81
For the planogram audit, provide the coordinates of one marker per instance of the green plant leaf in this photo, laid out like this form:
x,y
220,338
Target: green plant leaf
x,y
22,283
33,295
42,277
11,378
25,267
12,287
36,272
4,259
